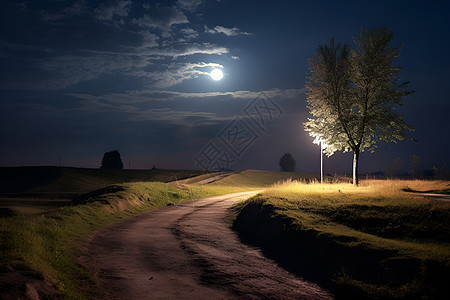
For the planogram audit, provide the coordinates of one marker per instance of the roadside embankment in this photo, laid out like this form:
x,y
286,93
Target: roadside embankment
x,y
374,242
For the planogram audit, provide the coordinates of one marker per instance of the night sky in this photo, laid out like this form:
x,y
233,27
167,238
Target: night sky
x,y
79,78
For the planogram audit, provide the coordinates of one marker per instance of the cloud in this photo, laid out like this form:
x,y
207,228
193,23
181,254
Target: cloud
x,y
107,10
189,33
227,31
149,40
190,5
279,94
191,49
155,95
162,18
135,112
170,107
54,14
73,44
64,71
175,73
186,118
56,72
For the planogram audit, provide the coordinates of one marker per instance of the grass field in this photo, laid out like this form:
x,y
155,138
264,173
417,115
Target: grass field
x,y
374,241
30,190
78,180
44,240
245,181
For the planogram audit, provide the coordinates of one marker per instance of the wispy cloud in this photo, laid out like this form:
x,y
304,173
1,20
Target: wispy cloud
x,y
234,31
162,18
64,71
189,49
152,95
153,43
204,108
189,33
107,10
190,5
136,113
176,73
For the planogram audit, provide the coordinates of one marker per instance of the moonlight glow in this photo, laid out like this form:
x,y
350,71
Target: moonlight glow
x,y
216,74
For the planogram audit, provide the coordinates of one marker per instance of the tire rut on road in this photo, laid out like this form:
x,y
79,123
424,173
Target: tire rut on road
x,y
187,251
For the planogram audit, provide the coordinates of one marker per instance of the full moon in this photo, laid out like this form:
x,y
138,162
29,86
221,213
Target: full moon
x,y
216,74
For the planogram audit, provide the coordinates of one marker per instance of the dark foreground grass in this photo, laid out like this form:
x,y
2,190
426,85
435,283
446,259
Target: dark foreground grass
x,y
375,241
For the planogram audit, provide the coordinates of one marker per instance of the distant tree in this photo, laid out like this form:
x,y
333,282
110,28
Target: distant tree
x,y
112,160
352,95
287,163
394,166
415,161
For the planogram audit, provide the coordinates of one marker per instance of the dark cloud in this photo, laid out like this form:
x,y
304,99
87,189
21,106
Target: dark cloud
x,y
162,18
109,9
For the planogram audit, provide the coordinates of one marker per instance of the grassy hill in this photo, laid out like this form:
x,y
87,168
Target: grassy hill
x,y
78,180
29,190
39,247
375,241
258,178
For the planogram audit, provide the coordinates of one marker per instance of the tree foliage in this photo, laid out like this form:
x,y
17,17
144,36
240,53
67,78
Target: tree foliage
x,y
112,160
287,163
353,95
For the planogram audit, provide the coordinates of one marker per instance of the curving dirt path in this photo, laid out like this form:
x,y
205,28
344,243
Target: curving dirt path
x,y
187,251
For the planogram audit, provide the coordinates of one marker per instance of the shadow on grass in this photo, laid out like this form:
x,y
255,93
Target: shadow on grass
x,y
443,191
356,272
94,195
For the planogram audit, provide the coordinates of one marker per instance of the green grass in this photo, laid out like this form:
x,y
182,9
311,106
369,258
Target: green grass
x,y
30,190
28,206
401,231
45,242
254,179
48,242
242,181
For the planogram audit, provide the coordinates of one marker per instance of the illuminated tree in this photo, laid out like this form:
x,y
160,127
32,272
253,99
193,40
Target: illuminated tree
x,y
287,163
353,95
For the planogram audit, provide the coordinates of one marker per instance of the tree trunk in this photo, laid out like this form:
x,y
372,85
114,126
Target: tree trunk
x,y
355,167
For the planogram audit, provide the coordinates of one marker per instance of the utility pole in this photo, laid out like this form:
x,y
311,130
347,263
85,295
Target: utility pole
x,y
321,163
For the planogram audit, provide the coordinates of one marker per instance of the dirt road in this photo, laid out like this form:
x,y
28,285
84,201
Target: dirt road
x,y
187,251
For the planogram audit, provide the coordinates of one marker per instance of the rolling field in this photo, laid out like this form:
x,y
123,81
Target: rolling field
x,y
380,240
30,190
40,243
